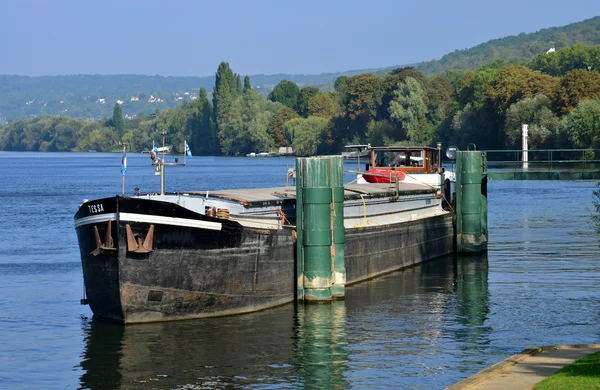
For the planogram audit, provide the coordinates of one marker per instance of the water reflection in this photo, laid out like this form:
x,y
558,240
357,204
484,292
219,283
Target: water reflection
x,y
321,346
235,352
410,322
472,310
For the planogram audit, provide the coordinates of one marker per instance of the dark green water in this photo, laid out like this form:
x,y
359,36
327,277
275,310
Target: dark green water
x,y
426,328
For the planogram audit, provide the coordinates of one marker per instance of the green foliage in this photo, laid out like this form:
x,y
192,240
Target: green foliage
x,y
517,82
391,83
323,105
247,85
244,125
560,62
583,124
543,125
286,93
514,49
204,133
304,97
363,96
306,134
117,120
408,109
575,86
57,134
382,133
277,125
224,92
472,87
238,84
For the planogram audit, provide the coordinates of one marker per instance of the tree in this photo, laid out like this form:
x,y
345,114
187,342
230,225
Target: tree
x,y
440,99
117,120
341,85
204,137
285,92
247,85
361,99
566,60
244,126
238,84
408,109
391,83
224,91
323,105
576,86
303,98
517,82
381,133
472,87
306,134
583,123
543,124
277,125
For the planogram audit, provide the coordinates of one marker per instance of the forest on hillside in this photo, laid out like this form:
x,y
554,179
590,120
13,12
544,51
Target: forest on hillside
x,y
516,49
557,94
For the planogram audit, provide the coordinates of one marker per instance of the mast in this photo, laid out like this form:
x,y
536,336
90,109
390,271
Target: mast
x,y
163,133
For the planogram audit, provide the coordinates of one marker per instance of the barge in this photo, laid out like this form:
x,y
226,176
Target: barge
x,y
183,255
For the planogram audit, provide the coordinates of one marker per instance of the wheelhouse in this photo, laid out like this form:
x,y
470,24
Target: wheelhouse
x,y
413,159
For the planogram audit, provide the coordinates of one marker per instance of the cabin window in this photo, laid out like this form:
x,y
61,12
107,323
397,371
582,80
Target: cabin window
x,y
399,159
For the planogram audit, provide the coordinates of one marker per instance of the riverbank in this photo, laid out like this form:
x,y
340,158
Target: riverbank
x,y
526,369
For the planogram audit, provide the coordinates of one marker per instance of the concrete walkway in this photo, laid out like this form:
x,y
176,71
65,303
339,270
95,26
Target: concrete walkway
x,y
524,370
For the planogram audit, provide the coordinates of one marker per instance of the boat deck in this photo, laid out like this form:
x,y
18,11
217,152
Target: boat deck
x,y
250,196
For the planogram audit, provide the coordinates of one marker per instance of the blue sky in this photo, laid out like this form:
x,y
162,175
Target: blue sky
x,y
191,37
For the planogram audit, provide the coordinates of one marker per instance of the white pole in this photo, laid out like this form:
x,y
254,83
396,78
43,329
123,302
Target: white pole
x,y
525,157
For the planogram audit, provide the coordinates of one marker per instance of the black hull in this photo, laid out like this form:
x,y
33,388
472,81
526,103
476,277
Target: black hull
x,y
197,272
190,273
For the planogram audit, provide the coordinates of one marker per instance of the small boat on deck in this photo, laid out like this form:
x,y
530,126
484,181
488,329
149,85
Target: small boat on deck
x,y
194,254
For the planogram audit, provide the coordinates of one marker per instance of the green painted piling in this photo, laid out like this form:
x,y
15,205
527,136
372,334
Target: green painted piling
x,y
471,205
299,230
316,227
336,171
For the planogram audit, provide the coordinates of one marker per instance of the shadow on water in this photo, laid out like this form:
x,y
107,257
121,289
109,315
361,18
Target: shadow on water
x,y
405,321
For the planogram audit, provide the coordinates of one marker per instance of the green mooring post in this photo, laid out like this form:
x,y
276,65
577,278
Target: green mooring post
x,y
471,201
299,236
316,232
336,171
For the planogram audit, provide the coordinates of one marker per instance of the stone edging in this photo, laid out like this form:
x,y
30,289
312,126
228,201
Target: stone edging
x,y
510,361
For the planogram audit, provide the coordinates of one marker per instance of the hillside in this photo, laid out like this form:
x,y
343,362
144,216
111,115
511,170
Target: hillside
x,y
94,96
516,48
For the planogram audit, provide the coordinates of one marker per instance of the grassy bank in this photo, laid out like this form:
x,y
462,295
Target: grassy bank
x,y
582,374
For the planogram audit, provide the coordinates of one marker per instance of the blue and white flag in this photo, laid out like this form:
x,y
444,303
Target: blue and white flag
x,y
154,149
188,152
124,161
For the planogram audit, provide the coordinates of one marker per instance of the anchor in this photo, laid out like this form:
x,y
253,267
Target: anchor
x,y
106,248
135,245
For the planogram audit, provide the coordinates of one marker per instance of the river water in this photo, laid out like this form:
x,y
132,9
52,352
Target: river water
x,y
425,328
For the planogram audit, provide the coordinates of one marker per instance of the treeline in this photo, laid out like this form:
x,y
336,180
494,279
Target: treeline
x,y
557,94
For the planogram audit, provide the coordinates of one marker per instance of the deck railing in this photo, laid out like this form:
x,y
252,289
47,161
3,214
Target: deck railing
x,y
545,159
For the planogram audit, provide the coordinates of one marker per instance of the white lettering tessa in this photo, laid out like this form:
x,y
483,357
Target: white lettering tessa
x,y
95,208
